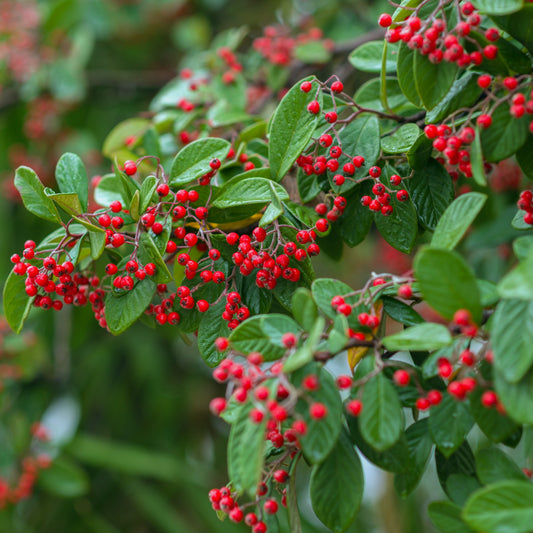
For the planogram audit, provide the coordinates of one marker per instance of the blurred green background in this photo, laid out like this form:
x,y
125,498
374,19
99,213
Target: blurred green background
x,y
136,448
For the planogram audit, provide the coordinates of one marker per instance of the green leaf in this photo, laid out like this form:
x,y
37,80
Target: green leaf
x,y
456,220
420,445
33,197
523,156
464,93
338,336
449,423
295,523
211,327
64,478
395,459
356,220
523,246
447,283
368,57
69,202
193,160
263,334
512,338
399,229
324,289
476,161
248,191
493,465
498,7
431,191
134,206
291,128
17,304
433,81
426,336
460,487
245,452
337,486
401,140
505,507
321,434
446,516
518,25
122,311
497,427
462,462
381,421
420,153
505,136
406,78
97,241
71,177
149,253
360,137
304,354
516,397
405,9
401,312
518,221
518,283
130,128
109,190
304,308
274,209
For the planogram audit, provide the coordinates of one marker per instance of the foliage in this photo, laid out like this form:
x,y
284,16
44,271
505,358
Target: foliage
x,y
216,204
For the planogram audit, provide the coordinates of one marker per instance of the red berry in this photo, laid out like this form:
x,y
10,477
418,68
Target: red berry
x,y
130,168
306,86
422,404
484,81
385,20
354,407
313,107
337,87
318,410
401,378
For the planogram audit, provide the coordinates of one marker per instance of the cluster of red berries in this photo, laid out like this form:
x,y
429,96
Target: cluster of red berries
x,y
435,40
525,203
381,203
12,493
276,44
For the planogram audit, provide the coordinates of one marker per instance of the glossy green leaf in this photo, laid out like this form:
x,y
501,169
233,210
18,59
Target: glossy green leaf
x,y
122,132
381,421
245,452
518,283
324,289
122,311
446,516
449,423
17,304
405,9
401,312
431,191
462,462
149,253
304,354
497,427
263,334
456,220
193,160
399,229
32,193
249,191
498,7
71,177
505,507
274,209
321,434
426,336
447,283
109,190
97,241
304,308
505,136
356,219
368,57
463,93
69,202
360,137
516,397
493,465
433,81
406,78
211,327
476,161
518,25
401,140
64,478
512,338
134,206
523,156
523,246
337,486
291,129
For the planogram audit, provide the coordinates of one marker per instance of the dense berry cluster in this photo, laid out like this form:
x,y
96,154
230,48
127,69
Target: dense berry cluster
x,y
525,203
277,44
